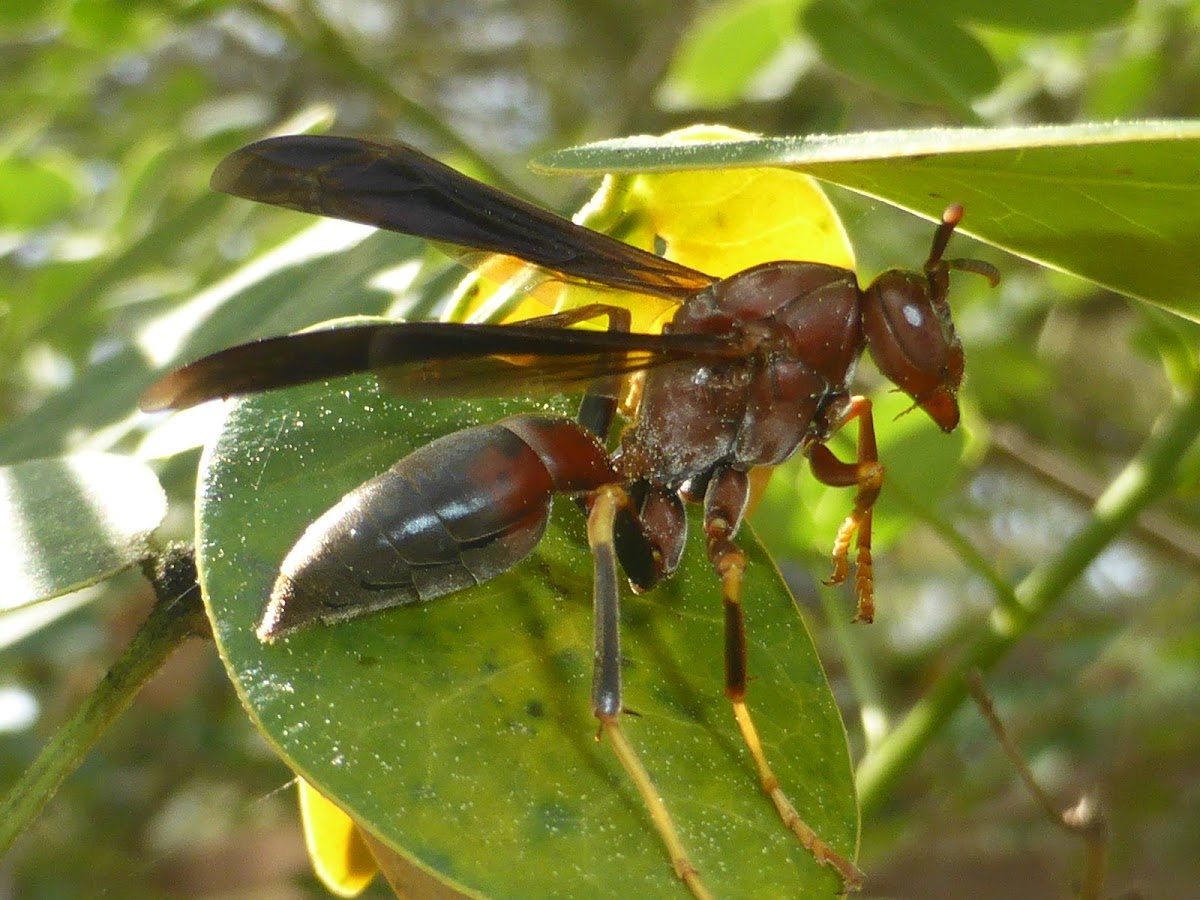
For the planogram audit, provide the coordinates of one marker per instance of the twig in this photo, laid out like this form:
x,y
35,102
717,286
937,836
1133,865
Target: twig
x,y
1085,819
1155,528
176,616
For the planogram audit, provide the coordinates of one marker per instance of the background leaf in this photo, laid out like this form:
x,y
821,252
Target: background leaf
x,y
105,509
926,52
33,193
745,35
916,52
1039,16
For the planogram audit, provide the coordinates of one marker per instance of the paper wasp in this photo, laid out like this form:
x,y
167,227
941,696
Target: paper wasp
x,y
751,369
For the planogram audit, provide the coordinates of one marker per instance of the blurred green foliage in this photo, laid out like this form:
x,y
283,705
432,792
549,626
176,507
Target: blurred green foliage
x,y
117,112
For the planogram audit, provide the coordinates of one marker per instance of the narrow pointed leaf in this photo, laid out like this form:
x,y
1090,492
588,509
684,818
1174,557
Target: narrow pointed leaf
x,y
69,522
1115,203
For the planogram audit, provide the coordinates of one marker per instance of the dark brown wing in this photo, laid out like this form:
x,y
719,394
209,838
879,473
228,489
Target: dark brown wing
x,y
391,185
434,358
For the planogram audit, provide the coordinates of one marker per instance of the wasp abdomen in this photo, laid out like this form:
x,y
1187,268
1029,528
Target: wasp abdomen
x,y
450,515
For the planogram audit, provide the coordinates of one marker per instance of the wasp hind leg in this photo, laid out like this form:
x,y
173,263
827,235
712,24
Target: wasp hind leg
x,y
724,505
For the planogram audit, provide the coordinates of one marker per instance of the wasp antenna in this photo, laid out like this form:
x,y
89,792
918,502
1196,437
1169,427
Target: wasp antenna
x,y
951,216
978,266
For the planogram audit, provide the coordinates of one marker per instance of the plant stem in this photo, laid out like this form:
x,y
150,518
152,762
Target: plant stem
x,y
170,622
1147,476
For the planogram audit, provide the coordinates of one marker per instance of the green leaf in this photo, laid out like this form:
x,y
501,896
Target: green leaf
x,y
1125,86
459,731
70,522
34,193
16,14
292,286
924,52
1118,204
916,54
276,293
1038,15
111,25
726,46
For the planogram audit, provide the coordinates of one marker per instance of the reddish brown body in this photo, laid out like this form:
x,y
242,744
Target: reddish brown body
x,y
752,368
448,516
804,321
473,504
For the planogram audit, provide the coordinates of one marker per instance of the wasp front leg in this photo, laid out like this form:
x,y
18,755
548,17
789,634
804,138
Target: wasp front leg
x,y
865,474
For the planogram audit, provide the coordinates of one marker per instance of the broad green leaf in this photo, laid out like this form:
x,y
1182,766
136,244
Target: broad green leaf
x,y
459,731
915,53
72,521
1118,204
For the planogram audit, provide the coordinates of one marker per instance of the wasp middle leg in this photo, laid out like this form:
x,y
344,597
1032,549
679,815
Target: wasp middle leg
x,y
607,502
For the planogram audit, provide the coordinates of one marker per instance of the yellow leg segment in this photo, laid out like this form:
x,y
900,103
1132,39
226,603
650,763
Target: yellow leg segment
x,y
852,878
730,564
684,867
